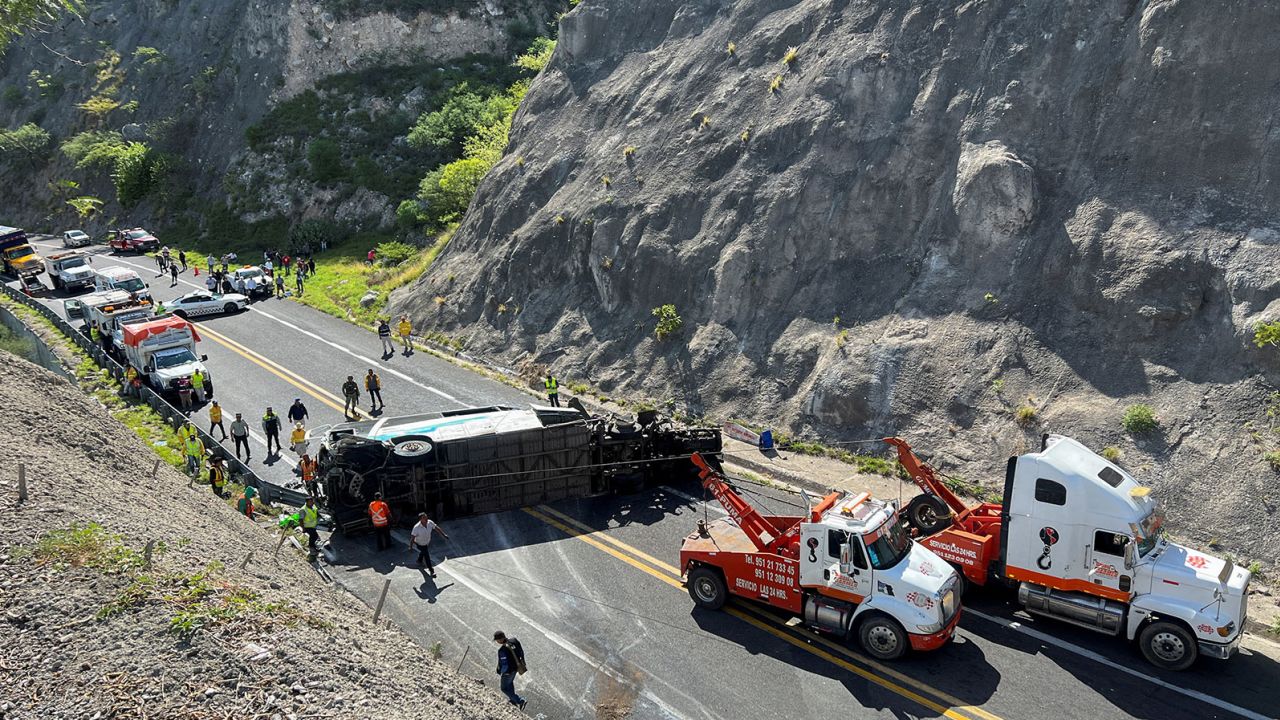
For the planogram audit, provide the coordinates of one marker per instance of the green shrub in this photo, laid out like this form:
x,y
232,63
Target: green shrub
x,y
410,214
464,112
148,55
1273,459
1139,418
1111,453
325,158
1026,415
669,321
1267,334
446,191
537,56
394,253
138,170
311,233
89,545
29,142
93,147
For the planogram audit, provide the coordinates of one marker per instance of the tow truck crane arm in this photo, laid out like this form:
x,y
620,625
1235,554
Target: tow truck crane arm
x,y
924,477
747,517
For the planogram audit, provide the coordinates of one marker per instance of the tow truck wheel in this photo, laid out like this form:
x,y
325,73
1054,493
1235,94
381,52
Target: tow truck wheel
x,y
928,514
1168,645
882,637
707,589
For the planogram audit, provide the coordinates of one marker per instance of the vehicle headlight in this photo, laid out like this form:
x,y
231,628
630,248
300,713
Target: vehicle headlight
x,y
930,628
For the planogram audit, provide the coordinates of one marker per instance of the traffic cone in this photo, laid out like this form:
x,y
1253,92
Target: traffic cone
x,y
196,268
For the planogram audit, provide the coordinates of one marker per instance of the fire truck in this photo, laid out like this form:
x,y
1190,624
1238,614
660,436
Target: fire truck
x,y
1080,539
846,567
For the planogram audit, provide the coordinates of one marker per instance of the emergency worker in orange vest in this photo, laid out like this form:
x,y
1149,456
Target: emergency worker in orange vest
x,y
308,468
380,516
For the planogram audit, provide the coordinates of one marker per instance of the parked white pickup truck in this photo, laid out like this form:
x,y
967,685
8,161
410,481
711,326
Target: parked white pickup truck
x,y
69,270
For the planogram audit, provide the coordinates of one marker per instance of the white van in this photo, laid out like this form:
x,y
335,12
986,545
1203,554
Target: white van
x,y
120,278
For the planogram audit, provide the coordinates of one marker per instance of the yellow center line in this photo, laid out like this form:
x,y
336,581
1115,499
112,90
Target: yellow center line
x,y
592,536
274,368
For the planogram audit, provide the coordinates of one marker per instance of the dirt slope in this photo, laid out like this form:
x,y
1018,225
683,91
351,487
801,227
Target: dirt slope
x,y
272,641
933,215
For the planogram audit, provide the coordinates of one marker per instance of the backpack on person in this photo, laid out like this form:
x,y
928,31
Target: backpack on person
x,y
517,652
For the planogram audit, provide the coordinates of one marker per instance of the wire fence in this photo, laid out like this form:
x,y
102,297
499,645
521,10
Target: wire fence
x,y
269,492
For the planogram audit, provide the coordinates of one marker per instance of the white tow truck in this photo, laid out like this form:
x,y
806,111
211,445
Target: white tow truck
x,y
163,351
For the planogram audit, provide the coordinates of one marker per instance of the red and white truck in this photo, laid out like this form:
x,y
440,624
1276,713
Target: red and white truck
x,y
1081,541
847,567
136,240
163,351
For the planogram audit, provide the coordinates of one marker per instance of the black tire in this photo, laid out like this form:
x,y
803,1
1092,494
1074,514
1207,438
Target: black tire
x,y
707,588
928,514
229,308
1169,646
882,637
180,313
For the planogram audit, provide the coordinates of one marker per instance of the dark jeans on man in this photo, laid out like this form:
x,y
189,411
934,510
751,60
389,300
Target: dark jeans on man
x,y
218,425
424,558
273,437
384,536
375,394
242,441
508,684
313,538
554,399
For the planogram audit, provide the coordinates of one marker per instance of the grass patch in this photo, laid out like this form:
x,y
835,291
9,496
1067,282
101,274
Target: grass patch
x,y
871,464
89,545
1026,416
1139,418
1112,453
1273,459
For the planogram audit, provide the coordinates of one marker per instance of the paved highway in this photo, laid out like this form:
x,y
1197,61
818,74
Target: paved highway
x,y
591,589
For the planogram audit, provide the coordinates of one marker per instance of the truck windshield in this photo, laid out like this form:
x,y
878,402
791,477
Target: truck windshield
x,y
1148,532
136,235
887,545
74,262
15,253
132,284
174,358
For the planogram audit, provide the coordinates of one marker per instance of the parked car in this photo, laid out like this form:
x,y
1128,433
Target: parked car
x,y
263,282
75,239
202,302
135,240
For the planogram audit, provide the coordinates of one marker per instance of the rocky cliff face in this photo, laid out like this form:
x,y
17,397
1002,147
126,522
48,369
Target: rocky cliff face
x,y
931,217
191,77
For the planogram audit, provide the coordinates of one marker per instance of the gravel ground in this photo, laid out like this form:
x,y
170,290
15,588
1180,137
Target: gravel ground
x,y
90,632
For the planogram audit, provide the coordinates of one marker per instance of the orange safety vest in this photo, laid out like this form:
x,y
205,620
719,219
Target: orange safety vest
x,y
308,470
379,513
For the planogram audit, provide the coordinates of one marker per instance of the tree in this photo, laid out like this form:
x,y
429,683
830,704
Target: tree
x,y
19,16
325,158
1266,334
29,142
537,56
85,205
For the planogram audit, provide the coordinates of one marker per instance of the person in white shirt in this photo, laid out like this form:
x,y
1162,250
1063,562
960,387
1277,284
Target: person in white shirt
x,y
420,540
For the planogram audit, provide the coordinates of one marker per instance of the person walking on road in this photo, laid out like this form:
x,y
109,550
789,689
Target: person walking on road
x,y
182,259
308,519
380,517
240,436
351,391
215,419
373,384
197,384
405,328
307,466
271,428
297,412
384,334
173,274
298,439
420,540
553,390
217,475
510,664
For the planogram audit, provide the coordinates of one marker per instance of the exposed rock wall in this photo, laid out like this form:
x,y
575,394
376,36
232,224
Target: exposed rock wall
x,y
1063,206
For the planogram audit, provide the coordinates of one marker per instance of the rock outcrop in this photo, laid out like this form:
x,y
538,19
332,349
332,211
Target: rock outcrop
x,y
926,217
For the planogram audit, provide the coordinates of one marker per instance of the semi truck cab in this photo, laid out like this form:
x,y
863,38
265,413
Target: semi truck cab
x,y
1084,541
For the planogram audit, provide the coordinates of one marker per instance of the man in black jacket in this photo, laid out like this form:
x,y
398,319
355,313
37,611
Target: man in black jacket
x,y
297,411
510,662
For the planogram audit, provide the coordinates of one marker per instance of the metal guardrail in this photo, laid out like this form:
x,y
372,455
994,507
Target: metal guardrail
x,y
270,492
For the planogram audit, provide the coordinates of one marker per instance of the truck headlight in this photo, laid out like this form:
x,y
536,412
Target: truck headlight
x,y
930,628
1228,629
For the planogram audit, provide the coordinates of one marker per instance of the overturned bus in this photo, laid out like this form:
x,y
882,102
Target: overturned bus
x,y
490,459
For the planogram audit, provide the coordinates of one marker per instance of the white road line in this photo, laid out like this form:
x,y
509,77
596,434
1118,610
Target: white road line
x,y
550,634
336,346
1089,654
